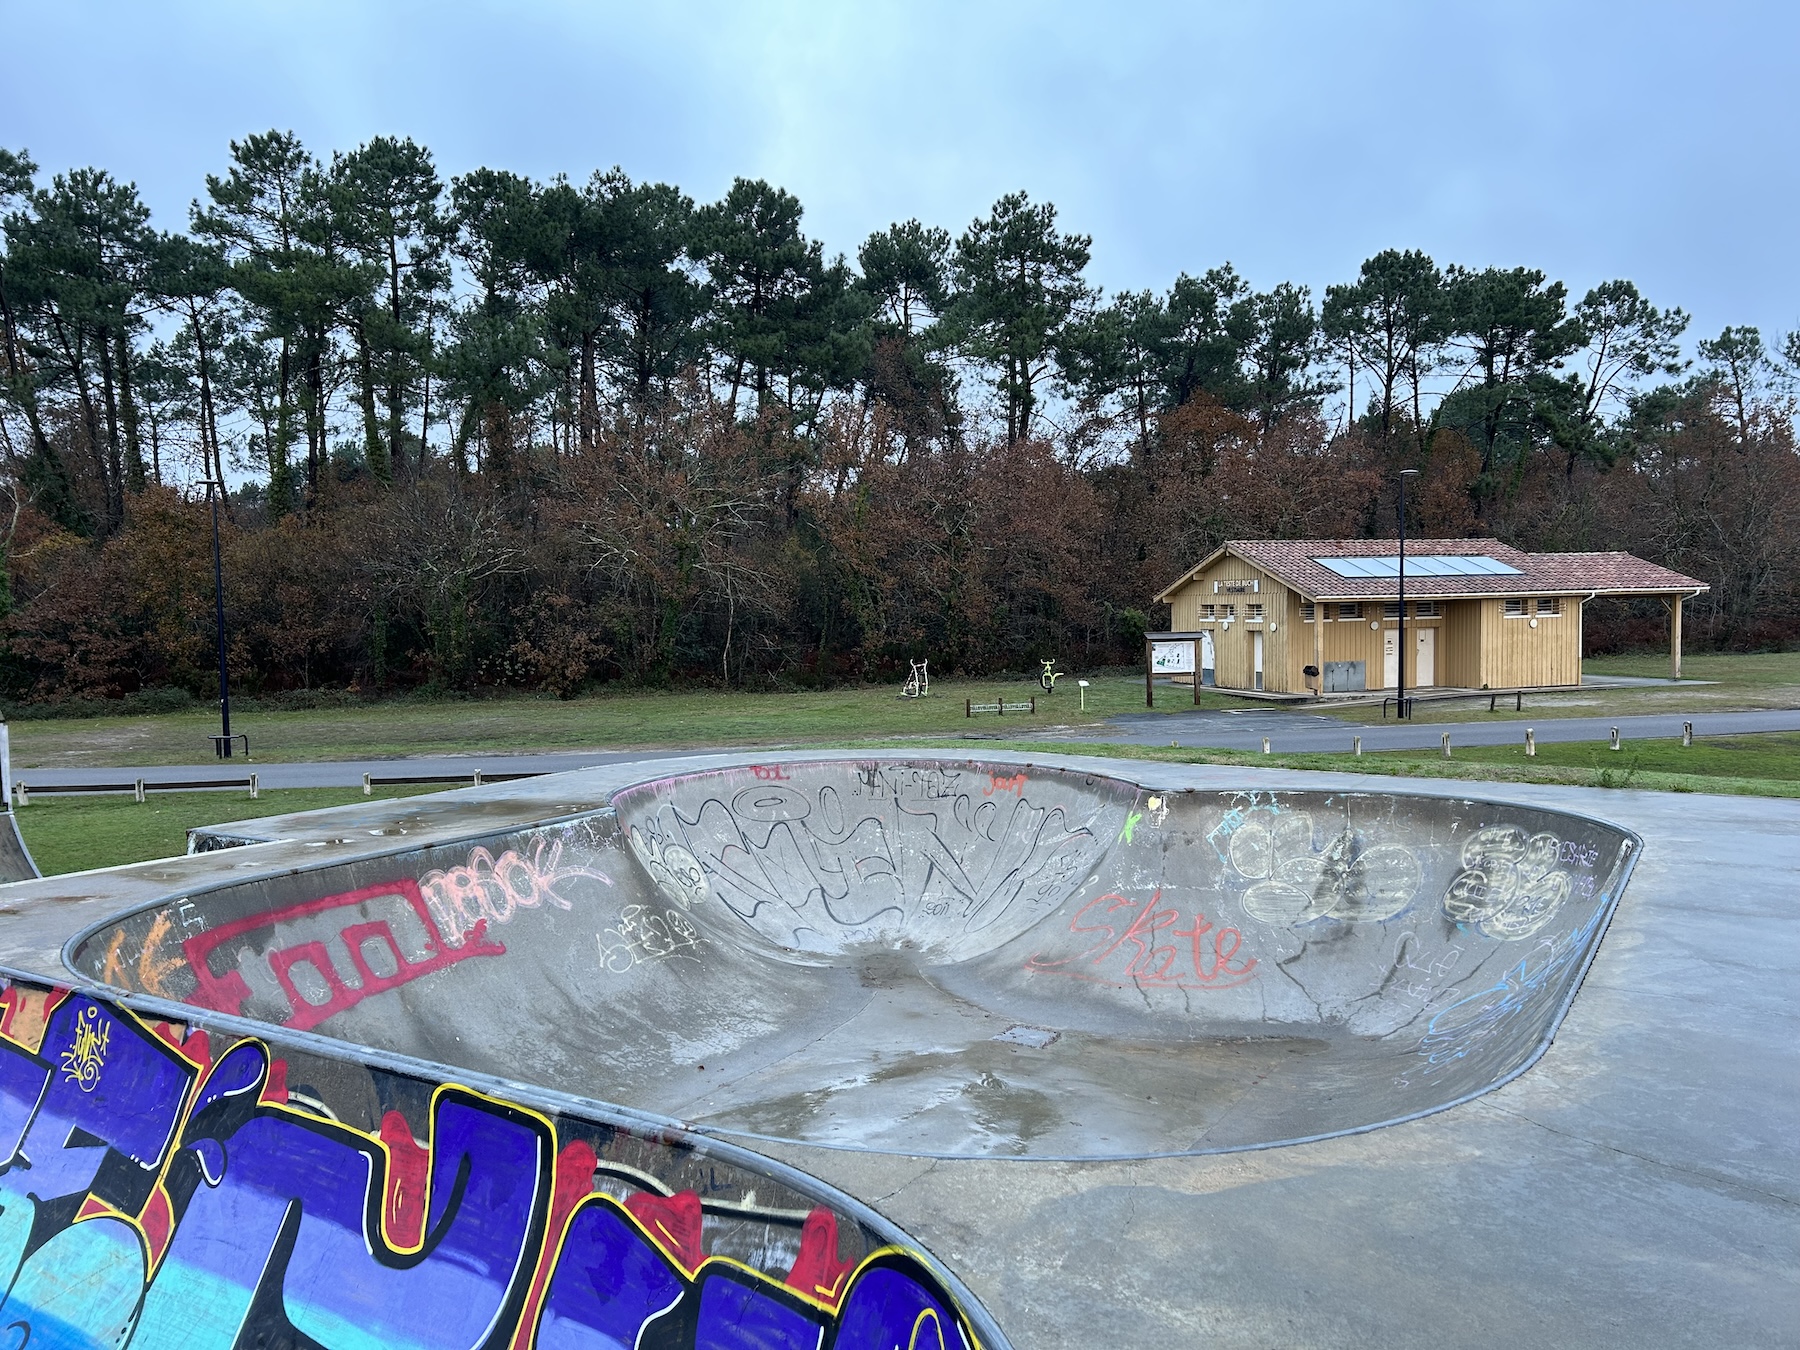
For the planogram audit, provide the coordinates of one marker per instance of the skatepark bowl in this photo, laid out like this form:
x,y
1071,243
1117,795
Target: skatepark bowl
x,y
935,958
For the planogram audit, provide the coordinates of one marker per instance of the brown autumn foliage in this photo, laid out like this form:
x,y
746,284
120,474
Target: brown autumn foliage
x,y
697,548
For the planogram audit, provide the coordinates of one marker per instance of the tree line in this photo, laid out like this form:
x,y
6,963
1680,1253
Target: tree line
x,y
499,432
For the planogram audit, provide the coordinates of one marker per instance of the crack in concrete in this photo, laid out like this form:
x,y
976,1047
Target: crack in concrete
x,y
910,1181
1718,1179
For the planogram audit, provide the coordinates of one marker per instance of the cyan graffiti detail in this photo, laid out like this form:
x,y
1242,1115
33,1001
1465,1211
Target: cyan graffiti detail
x,y
157,1196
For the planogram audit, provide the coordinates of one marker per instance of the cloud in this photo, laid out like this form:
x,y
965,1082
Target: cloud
x,y
1648,141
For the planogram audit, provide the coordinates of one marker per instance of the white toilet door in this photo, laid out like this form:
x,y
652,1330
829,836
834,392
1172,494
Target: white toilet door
x,y
1425,659
1390,659
1256,656
1205,674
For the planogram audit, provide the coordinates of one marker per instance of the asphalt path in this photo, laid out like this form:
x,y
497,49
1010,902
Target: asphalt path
x,y
1295,732
1288,732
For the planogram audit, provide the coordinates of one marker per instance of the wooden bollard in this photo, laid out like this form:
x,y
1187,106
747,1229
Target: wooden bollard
x,y
1687,733
1446,745
253,789
368,789
1356,745
1530,743
1265,745
137,790
1615,739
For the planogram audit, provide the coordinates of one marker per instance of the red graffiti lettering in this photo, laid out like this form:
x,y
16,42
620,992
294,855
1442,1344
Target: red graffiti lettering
x,y
1127,931
307,963
999,783
769,773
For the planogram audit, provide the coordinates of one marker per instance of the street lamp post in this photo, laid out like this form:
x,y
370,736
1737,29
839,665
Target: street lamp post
x,y
1401,710
214,490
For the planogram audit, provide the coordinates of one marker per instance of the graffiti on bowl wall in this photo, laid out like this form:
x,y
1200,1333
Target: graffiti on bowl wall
x,y
871,850
1295,877
163,1188
1511,883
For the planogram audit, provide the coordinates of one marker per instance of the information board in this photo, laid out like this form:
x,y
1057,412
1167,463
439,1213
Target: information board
x,y
1172,658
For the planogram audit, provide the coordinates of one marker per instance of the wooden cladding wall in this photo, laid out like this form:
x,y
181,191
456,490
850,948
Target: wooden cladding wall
x,y
1477,645
1355,640
1234,646
1514,654
1459,645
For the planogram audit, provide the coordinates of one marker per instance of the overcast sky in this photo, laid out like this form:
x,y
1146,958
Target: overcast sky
x,y
1645,140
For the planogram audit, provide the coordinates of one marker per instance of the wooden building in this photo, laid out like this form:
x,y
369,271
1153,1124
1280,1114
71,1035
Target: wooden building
x,y
1312,617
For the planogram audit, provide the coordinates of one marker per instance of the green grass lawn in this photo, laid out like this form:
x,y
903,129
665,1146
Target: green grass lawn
x,y
640,719
1760,766
73,834
650,719
1774,756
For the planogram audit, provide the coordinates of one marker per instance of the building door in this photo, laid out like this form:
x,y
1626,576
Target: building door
x,y
1206,675
1425,659
1256,660
1390,659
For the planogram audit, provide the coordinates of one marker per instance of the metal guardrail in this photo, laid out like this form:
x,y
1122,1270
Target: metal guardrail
x,y
477,777
141,786
138,787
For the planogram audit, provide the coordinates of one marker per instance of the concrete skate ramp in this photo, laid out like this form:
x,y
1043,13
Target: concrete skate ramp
x,y
16,863
942,958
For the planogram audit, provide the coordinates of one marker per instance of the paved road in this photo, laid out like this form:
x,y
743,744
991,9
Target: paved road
x,y
1293,732
1288,732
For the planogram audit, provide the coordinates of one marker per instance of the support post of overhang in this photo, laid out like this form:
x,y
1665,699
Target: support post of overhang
x,y
1318,649
1149,689
1675,636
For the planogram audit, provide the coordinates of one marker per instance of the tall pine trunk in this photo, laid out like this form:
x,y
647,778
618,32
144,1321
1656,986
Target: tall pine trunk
x,y
373,449
128,416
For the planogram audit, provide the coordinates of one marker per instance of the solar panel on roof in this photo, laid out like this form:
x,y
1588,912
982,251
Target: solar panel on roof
x,y
1420,565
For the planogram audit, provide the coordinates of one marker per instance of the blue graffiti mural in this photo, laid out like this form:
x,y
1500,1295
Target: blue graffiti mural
x,y
155,1197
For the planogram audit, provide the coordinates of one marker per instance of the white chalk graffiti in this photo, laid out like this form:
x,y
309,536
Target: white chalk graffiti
x,y
1350,878
1511,883
643,935
675,869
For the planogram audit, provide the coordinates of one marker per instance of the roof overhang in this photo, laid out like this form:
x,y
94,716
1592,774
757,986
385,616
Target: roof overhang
x,y
1192,572
1523,586
1586,592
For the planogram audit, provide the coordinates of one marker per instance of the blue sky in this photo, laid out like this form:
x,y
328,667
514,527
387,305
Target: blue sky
x,y
1650,141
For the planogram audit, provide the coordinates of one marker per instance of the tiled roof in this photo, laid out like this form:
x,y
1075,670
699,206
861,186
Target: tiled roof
x,y
1292,561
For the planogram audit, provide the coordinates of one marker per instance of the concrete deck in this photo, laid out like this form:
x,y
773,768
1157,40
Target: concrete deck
x,y
1639,1185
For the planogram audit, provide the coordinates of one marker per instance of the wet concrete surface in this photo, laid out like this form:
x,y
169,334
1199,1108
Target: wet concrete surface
x,y
827,951
1639,1185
